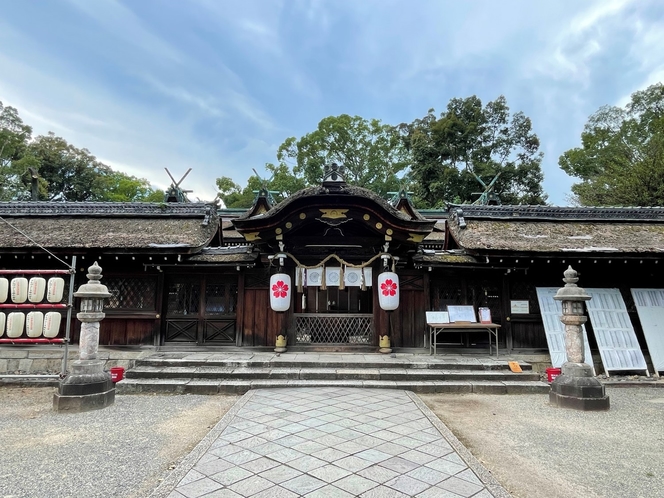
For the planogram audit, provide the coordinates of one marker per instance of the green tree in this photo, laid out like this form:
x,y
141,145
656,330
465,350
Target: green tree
x,y
72,174
64,172
372,152
281,184
14,138
470,139
125,188
621,158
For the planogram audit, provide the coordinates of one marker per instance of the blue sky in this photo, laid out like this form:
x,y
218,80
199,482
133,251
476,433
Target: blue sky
x,y
217,85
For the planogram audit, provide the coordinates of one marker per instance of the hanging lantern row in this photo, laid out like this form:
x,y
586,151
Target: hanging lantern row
x,y
21,289
34,323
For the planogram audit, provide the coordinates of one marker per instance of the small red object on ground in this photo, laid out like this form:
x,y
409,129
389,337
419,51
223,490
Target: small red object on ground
x,y
117,374
552,373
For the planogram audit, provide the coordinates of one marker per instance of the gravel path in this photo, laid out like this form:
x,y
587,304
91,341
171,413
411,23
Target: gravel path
x,y
536,450
121,451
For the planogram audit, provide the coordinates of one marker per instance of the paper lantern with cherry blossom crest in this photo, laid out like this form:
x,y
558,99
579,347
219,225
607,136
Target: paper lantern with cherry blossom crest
x,y
388,290
280,291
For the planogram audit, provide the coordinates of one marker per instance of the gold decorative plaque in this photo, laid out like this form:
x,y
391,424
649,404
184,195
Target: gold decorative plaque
x,y
415,237
302,216
366,217
379,225
251,236
278,231
333,214
389,231
289,225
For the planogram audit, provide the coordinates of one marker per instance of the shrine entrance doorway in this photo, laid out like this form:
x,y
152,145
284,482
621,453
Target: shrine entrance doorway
x,y
200,309
334,316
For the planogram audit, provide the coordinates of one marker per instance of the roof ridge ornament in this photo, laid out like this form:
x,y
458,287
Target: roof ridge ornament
x,y
457,214
175,193
333,173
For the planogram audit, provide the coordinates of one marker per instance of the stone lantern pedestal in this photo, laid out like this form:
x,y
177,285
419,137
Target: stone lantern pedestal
x,y
576,387
87,386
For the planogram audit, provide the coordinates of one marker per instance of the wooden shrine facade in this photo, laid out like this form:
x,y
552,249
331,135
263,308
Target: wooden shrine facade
x,y
191,274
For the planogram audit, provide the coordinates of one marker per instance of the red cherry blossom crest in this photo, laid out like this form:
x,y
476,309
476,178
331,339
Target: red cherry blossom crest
x,y
389,288
280,289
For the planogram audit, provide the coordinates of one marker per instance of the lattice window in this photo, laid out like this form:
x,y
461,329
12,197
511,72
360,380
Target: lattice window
x,y
183,298
131,293
486,293
445,292
220,299
326,329
257,279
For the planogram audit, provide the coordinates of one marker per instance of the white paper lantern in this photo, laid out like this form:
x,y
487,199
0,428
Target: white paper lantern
x,y
52,321
3,321
34,323
388,290
56,286
15,324
280,291
19,289
36,288
4,289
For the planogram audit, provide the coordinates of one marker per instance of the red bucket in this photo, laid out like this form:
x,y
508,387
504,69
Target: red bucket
x,y
552,373
117,374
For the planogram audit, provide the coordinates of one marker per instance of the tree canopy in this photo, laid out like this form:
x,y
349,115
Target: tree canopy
x,y
469,140
621,158
63,172
436,157
281,184
372,152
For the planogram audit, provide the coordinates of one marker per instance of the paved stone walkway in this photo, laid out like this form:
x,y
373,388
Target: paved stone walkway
x,y
330,443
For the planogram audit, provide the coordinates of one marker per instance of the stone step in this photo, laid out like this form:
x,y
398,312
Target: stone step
x,y
391,374
234,386
431,363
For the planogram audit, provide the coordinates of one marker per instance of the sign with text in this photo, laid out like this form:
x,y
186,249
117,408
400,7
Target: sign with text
x,y
519,307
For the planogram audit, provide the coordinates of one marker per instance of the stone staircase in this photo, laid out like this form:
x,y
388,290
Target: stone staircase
x,y
215,373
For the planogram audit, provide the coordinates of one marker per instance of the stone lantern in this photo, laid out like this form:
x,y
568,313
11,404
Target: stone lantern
x,y
92,297
576,387
88,386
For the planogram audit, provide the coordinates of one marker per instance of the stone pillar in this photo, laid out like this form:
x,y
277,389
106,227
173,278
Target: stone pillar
x,y
88,386
576,387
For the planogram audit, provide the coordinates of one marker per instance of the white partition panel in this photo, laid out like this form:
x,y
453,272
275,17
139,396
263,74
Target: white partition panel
x,y
650,307
614,332
555,330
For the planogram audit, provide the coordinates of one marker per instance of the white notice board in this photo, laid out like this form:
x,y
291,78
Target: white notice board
x,y
437,317
614,332
650,307
551,311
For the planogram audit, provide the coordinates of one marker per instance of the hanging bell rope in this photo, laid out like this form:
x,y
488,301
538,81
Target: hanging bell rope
x,y
339,259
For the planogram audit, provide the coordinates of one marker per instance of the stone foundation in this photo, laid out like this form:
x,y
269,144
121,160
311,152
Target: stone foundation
x,y
40,359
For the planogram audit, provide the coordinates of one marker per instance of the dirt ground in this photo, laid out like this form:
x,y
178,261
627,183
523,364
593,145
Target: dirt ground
x,y
536,450
127,448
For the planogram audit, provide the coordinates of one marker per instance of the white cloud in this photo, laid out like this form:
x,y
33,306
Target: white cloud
x,y
122,23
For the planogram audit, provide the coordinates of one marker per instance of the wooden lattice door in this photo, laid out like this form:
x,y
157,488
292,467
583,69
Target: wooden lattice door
x,y
201,309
